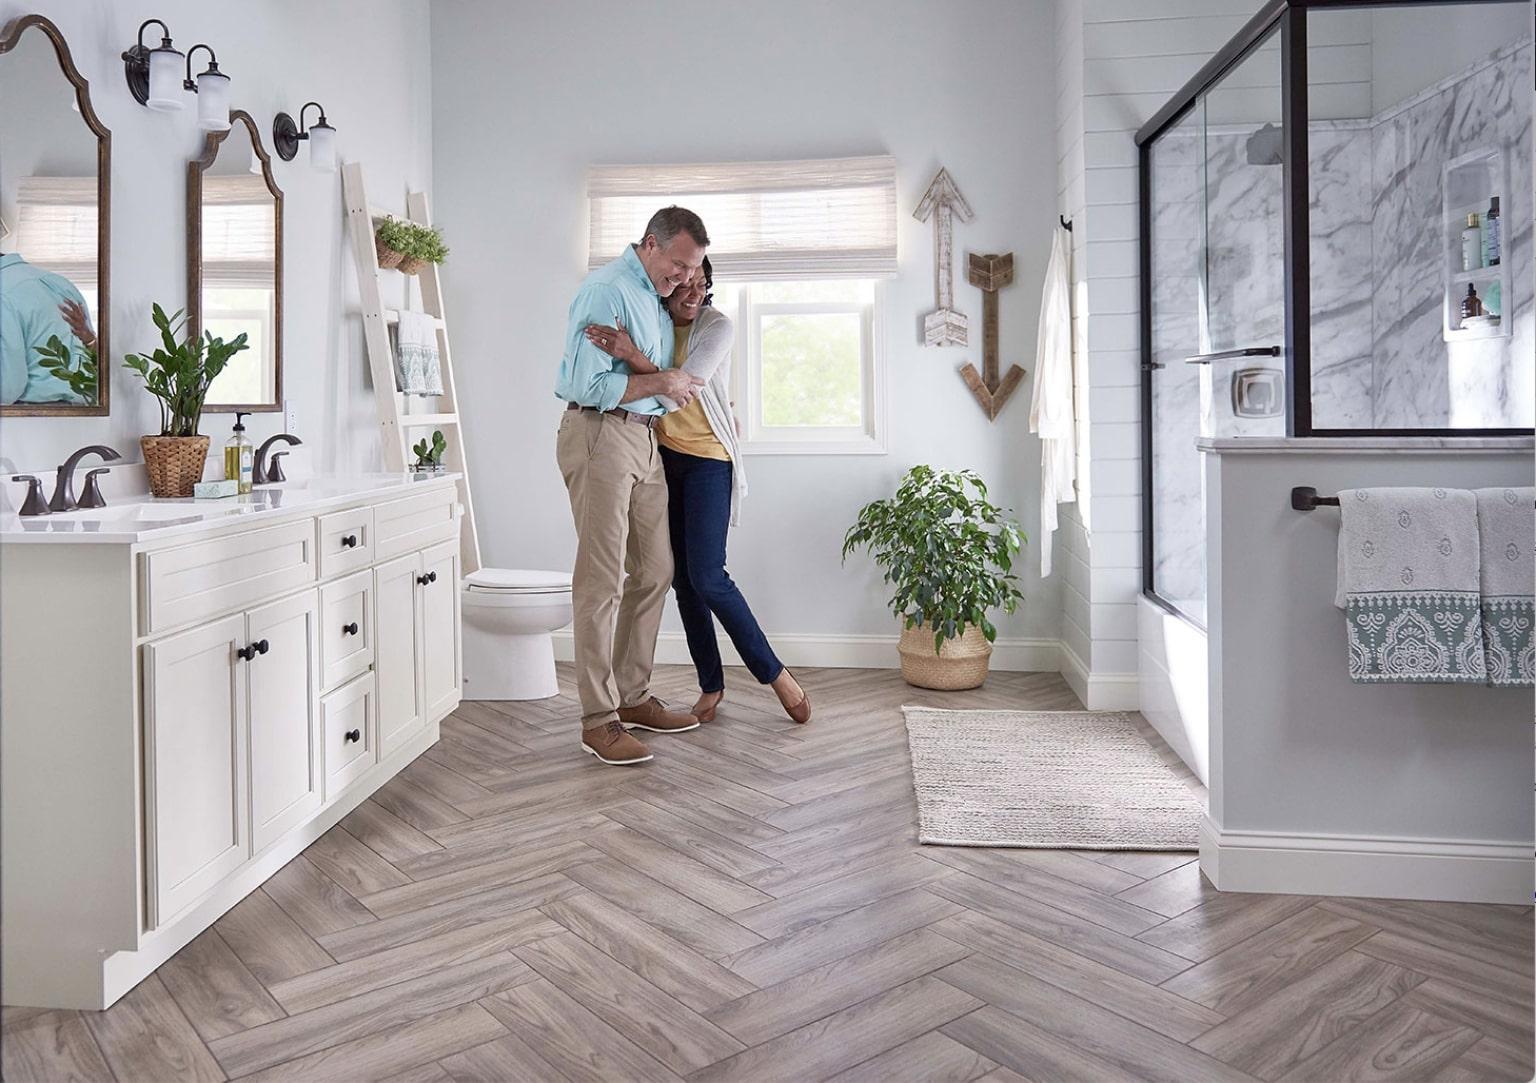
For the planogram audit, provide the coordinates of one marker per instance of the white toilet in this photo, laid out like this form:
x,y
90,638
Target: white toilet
x,y
508,617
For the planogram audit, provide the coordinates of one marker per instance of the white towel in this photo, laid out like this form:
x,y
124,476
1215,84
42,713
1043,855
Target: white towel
x,y
1507,527
418,366
1050,410
1408,583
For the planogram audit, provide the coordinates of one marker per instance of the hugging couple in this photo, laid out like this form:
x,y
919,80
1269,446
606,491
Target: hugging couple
x,y
649,453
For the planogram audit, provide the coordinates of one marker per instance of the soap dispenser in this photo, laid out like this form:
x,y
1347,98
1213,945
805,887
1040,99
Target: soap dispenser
x,y
239,455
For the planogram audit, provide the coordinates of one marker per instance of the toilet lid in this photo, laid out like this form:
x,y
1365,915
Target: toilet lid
x,y
518,581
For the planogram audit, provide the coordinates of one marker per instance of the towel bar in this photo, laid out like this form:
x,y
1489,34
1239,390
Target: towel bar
x,y
1305,498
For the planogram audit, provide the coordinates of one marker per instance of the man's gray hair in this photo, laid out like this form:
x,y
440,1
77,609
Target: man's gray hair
x,y
670,221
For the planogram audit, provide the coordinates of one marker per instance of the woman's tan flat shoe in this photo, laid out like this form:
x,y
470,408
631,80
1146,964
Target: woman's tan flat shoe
x,y
708,713
800,712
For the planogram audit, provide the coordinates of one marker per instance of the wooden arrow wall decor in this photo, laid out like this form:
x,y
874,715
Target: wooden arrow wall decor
x,y
989,274
943,326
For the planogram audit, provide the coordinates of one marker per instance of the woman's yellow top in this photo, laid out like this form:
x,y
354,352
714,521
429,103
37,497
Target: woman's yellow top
x,y
687,430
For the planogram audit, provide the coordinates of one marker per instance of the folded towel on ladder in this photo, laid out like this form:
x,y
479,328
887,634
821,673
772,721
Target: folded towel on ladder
x,y
1508,532
1408,585
418,366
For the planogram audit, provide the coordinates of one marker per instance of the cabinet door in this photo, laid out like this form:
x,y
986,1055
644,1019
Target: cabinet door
x,y
287,777
441,684
397,622
197,828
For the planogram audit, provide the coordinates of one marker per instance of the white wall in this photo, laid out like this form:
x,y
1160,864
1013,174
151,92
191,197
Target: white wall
x,y
527,95
367,62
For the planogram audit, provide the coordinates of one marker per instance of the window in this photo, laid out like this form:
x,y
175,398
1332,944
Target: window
x,y
798,250
239,261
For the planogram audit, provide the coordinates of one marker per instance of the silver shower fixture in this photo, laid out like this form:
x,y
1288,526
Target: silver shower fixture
x,y
1266,146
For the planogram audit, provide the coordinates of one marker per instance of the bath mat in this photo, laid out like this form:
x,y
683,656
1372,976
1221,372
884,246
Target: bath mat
x,y
1080,780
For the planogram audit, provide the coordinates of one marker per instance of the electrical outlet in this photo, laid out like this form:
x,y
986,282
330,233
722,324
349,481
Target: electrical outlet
x,y
290,416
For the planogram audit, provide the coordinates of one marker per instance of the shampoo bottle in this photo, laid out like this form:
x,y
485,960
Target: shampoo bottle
x,y
1472,244
239,456
1491,234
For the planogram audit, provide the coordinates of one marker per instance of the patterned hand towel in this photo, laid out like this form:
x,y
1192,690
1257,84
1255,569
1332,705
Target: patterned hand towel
x,y
1508,529
1408,585
418,366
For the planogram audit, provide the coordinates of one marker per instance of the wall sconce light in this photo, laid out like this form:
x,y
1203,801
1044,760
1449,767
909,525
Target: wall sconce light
x,y
321,136
212,90
153,75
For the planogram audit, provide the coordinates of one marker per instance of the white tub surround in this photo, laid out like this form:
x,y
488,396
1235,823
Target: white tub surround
x,y
1319,785
194,692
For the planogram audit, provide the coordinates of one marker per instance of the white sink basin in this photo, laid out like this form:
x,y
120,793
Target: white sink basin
x,y
153,511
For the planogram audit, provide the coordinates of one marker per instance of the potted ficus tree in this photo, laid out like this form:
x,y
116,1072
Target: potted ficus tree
x,y
178,374
949,552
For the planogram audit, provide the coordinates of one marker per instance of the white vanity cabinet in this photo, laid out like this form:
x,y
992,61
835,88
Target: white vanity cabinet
x,y
187,704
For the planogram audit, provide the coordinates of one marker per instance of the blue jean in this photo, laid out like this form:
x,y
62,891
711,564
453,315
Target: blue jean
x,y
699,515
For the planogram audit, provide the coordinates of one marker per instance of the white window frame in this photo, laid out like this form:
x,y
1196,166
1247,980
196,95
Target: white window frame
x,y
746,381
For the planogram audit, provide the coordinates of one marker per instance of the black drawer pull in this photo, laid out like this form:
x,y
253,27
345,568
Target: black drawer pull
x,y
352,735
245,654
430,577
349,629
349,542
261,646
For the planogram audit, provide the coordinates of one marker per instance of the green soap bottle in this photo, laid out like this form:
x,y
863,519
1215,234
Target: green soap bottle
x,y
239,455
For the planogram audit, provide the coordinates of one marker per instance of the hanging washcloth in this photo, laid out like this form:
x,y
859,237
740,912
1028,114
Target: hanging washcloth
x,y
1408,585
418,366
1050,410
1508,531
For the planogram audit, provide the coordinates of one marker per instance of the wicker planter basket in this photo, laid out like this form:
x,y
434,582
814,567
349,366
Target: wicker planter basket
x,y
388,257
960,663
174,463
411,265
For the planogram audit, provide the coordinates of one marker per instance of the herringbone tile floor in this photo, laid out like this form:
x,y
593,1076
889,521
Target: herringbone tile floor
x,y
753,905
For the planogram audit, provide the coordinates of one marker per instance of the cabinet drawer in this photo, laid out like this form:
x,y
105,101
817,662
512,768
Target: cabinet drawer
x,y
195,582
350,738
346,629
416,522
346,541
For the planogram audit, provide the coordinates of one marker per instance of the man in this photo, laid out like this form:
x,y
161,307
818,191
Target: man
x,y
36,306
609,458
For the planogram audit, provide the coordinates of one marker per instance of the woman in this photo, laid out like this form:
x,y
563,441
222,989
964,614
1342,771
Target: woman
x,y
705,485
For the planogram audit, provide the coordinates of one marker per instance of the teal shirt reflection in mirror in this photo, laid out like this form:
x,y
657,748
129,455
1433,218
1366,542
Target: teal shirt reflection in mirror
x,y
30,318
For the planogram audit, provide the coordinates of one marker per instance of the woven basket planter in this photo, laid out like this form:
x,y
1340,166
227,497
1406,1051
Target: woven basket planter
x,y
411,265
388,257
174,463
959,663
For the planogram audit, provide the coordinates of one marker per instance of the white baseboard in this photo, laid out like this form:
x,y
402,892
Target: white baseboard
x,y
1382,868
843,651
1099,691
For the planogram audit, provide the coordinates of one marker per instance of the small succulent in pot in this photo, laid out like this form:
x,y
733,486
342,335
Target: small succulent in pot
x,y
429,457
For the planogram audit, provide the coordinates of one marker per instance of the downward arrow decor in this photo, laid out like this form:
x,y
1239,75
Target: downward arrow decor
x,y
943,326
990,274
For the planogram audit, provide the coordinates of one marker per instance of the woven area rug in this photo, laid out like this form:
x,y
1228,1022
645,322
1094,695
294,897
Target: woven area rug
x,y
1080,780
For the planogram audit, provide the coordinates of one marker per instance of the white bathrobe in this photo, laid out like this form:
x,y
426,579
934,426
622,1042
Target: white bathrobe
x,y
1050,411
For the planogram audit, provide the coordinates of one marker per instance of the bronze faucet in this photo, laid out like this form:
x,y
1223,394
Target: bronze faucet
x,y
261,474
64,483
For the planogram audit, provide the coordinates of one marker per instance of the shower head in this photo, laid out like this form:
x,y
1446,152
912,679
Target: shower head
x,y
1266,146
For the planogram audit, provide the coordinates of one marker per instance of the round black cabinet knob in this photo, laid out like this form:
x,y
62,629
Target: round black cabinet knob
x,y
261,646
349,542
353,735
350,629
431,577
245,654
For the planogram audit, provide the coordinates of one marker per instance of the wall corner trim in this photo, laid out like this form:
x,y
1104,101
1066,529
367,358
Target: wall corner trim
x,y
1099,691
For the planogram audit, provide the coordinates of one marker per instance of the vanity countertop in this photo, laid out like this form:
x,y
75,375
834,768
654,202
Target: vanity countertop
x,y
147,519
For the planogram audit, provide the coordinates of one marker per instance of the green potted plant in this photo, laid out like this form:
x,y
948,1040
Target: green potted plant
x,y
391,237
423,245
178,374
78,370
429,457
949,552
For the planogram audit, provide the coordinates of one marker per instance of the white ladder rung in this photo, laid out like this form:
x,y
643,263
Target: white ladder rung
x,y
417,421
392,317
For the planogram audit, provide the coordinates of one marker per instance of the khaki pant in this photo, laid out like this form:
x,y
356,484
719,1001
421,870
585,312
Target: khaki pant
x,y
612,470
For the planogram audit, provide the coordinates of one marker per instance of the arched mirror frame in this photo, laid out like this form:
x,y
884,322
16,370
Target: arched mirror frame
x,y
9,38
195,170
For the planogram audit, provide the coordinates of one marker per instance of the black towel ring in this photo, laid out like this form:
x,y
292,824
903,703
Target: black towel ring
x,y
1064,223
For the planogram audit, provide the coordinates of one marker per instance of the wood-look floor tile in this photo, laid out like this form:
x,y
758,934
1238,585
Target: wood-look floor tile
x,y
702,929
1221,922
51,1046
146,1036
806,997
866,853
373,1055
1488,1061
1268,1040
319,904
782,958
1398,1042
668,1030
416,805
422,1073
577,1043
533,832
721,893
414,960
700,843
733,795
215,990
445,784
1249,973
790,913
1135,1049
667,963
417,895
1451,966
1122,952
1093,981
1144,864
378,1011
1484,933
1509,1023
856,799
1030,1052
931,1058
1172,893
268,941
701,810
386,834
508,1059
351,864
848,1037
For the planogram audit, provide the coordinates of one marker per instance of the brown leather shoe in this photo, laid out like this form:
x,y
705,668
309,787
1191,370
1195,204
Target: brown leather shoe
x,y
657,717
799,712
614,745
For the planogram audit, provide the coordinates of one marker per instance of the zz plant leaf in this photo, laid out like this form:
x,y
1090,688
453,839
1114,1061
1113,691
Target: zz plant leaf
x,y
180,372
946,549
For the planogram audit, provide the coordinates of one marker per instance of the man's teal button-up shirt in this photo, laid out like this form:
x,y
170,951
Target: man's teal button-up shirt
x,y
615,293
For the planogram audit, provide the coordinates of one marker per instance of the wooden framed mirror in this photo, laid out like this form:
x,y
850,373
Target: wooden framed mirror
x,y
235,263
55,230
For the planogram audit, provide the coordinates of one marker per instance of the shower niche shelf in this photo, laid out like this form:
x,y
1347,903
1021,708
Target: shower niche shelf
x,y
1467,186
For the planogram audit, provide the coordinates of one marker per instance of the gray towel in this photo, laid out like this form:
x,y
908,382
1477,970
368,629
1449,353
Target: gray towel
x,y
1507,526
1408,584
418,367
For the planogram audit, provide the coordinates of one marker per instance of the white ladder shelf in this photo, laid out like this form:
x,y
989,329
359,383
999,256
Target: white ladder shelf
x,y
395,424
